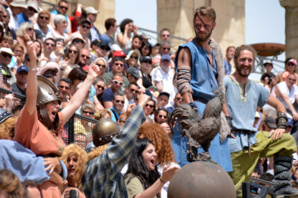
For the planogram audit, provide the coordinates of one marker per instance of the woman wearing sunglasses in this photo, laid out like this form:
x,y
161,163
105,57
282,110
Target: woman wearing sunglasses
x,y
99,85
83,126
149,108
133,59
160,115
70,60
25,33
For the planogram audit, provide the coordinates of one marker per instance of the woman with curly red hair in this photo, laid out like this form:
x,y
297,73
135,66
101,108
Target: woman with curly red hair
x,y
75,159
163,148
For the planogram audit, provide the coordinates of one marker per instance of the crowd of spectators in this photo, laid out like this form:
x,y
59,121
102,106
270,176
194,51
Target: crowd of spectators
x,y
99,76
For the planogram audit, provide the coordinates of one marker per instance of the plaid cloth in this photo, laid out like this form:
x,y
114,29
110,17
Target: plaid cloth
x,y
102,176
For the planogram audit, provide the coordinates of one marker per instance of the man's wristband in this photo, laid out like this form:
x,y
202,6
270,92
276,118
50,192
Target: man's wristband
x,y
281,120
32,69
162,180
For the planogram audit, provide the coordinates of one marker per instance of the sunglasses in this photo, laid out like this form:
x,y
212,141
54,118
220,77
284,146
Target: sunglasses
x,y
147,61
78,41
44,18
179,98
85,56
162,116
31,9
49,44
86,27
100,87
18,51
134,57
165,48
148,105
117,82
6,55
134,90
5,16
88,112
118,64
72,51
165,35
291,64
99,65
62,7
30,29
122,102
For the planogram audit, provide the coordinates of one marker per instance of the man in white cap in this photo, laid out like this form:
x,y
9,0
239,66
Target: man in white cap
x,y
16,7
49,45
91,16
5,58
28,14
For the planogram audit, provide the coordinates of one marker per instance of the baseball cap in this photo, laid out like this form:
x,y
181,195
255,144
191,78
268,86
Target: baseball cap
x,y
270,121
268,62
116,47
165,57
119,53
146,58
164,93
23,68
133,71
293,61
6,50
85,21
91,10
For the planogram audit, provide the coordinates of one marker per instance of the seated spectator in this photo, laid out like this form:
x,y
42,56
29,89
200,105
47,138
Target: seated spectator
x,y
102,113
84,59
255,173
145,49
60,23
165,125
118,66
99,85
8,31
83,126
100,49
42,24
94,33
64,86
136,44
131,93
146,67
84,29
61,9
118,104
25,33
75,159
71,58
111,28
290,68
77,75
50,70
160,115
178,100
27,15
133,59
142,178
124,37
78,41
20,85
163,99
108,94
102,176
149,108
102,66
19,54
49,45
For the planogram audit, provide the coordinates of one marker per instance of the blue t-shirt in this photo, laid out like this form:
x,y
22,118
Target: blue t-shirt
x,y
242,108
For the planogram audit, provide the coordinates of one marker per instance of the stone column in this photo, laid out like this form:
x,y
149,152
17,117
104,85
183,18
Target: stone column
x,y
177,15
291,32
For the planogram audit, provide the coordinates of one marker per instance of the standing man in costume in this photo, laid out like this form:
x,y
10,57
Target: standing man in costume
x,y
200,69
243,96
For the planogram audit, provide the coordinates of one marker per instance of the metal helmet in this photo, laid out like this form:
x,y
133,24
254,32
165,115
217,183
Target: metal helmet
x,y
4,115
47,91
104,131
201,179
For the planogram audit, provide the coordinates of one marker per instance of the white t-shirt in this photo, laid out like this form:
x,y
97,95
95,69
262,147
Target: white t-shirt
x,y
285,90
